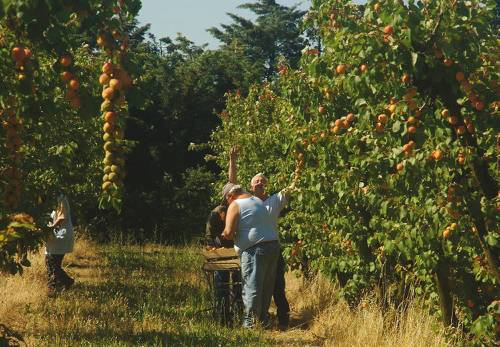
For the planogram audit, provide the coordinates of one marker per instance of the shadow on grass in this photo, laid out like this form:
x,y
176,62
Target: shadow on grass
x,y
205,337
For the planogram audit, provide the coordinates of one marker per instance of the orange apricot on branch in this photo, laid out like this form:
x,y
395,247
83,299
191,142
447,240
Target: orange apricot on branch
x,y
382,118
341,69
446,233
115,84
65,60
453,120
437,154
108,93
104,79
18,54
110,116
412,129
107,68
461,130
74,84
66,76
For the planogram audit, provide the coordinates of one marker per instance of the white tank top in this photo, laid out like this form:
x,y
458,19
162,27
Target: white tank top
x,y
254,226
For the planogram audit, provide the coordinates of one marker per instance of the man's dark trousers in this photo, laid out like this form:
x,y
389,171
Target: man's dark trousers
x,y
283,308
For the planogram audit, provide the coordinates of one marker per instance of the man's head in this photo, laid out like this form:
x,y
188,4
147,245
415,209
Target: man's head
x,y
258,184
234,192
231,191
221,211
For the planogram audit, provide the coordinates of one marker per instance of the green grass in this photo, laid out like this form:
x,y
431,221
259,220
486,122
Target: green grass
x,y
140,296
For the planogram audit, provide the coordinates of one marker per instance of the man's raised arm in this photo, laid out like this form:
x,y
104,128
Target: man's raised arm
x,y
233,156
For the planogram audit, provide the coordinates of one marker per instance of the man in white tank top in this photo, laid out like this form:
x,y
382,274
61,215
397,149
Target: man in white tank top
x,y
256,243
274,205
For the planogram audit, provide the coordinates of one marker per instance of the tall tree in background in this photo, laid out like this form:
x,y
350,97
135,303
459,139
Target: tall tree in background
x,y
276,32
168,186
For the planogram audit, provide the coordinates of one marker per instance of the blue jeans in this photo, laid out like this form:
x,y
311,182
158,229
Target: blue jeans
x,y
258,272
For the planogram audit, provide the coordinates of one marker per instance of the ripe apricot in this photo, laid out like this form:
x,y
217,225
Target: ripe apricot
x,y
437,154
104,79
388,30
470,128
350,117
108,127
73,84
446,233
461,130
453,120
479,105
66,76
341,69
363,68
461,159
448,62
65,60
110,116
107,68
400,166
18,53
382,118
115,84
445,113
411,120
379,127
412,129
108,93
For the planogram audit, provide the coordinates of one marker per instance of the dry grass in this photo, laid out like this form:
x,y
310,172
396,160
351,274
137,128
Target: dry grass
x,y
131,295
19,293
319,318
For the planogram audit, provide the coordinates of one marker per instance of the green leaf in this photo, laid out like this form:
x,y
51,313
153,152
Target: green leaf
x,y
396,127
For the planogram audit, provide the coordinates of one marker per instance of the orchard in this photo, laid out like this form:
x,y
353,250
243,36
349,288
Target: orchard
x,y
391,127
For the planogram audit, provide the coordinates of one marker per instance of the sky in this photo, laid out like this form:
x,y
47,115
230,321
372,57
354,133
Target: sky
x,y
193,17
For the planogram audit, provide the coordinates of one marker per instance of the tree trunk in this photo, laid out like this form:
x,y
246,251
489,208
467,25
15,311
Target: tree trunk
x,y
444,291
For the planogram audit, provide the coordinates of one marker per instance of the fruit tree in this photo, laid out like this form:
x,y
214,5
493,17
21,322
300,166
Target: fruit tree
x,y
49,102
392,126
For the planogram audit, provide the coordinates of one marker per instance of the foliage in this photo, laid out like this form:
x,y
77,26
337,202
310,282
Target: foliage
x,y
393,130
18,236
49,104
183,86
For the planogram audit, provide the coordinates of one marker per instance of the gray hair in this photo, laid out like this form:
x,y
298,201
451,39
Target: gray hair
x,y
260,174
236,190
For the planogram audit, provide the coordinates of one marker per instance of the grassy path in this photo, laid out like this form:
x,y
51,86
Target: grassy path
x,y
157,296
